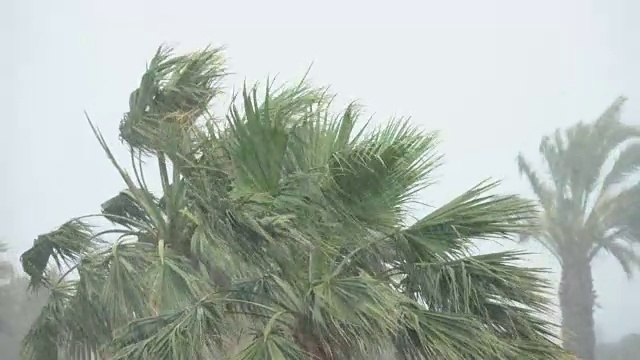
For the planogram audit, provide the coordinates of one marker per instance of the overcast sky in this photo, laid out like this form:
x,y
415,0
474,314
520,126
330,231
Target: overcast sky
x,y
493,76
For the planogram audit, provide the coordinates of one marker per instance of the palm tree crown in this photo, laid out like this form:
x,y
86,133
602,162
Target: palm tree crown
x,y
589,198
587,205
279,234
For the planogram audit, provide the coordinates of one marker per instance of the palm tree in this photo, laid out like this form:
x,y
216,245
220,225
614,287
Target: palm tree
x,y
280,233
589,208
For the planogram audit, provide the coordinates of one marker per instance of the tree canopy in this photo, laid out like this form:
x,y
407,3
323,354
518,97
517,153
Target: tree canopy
x,y
589,189
281,232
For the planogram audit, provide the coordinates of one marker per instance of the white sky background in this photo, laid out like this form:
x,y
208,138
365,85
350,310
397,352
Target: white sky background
x,y
493,76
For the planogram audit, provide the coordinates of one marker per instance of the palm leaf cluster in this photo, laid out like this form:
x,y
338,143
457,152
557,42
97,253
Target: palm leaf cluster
x,y
280,233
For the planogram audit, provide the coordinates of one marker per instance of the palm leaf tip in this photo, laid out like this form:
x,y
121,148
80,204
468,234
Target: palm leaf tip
x,y
63,246
173,94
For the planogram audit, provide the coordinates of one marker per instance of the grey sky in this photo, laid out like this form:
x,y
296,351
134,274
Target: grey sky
x,y
493,76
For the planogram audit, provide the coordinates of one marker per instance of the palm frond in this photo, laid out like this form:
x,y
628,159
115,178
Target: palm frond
x,y
64,246
377,176
124,292
626,164
627,257
41,342
505,298
272,344
56,325
258,144
614,219
435,334
545,193
123,209
315,139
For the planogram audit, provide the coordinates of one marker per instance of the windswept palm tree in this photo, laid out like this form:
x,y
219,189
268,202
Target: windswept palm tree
x,y
284,228
589,195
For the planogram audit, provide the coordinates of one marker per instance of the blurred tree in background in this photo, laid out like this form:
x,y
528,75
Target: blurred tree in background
x,y
18,309
625,349
589,195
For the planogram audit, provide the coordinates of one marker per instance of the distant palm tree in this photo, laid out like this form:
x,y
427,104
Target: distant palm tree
x,y
283,228
589,208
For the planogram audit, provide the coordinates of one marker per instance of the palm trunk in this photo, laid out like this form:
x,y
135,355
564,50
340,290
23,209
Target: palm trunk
x,y
577,299
312,347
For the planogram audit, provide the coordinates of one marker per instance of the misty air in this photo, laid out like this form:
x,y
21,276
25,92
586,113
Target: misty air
x,y
320,181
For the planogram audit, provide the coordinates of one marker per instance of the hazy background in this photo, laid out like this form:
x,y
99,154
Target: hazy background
x,y
493,76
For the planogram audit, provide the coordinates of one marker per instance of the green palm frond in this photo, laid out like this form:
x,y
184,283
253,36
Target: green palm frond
x,y
56,333
380,173
258,144
64,246
471,216
499,294
42,341
273,344
174,92
586,203
614,218
319,135
123,209
434,334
